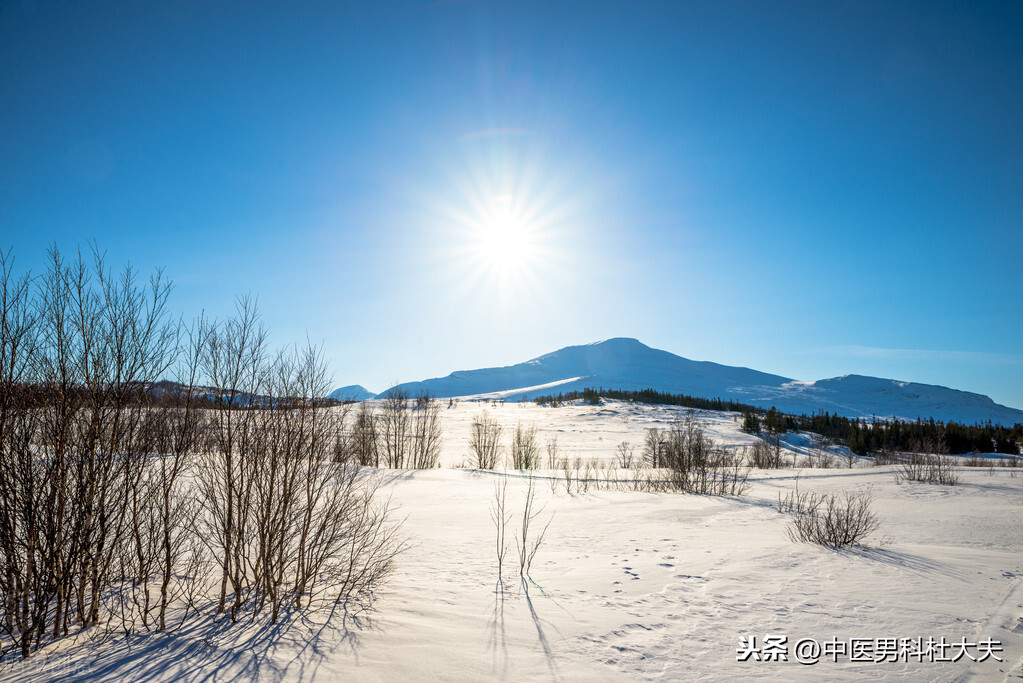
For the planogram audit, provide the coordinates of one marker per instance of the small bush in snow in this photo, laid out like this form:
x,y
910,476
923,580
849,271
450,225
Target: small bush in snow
x,y
819,454
799,502
885,456
1011,462
653,447
624,453
485,441
524,544
976,460
501,517
830,519
763,456
695,465
525,451
850,458
928,469
552,453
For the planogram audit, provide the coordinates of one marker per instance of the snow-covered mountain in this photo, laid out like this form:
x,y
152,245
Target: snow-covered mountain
x,y
353,392
624,363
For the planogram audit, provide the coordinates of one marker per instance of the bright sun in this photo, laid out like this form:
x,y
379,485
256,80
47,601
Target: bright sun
x,y
505,239
503,224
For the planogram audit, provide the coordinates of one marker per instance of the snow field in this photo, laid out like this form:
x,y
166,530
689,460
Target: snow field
x,y
630,585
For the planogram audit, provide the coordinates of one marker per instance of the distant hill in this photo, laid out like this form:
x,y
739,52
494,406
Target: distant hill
x,y
354,392
624,363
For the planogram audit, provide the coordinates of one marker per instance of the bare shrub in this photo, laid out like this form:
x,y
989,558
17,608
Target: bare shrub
x,y
174,429
764,457
501,517
364,437
976,460
235,363
695,465
553,462
525,452
928,469
396,428
653,447
79,348
123,494
624,453
587,476
566,471
284,507
426,433
526,546
552,453
609,476
885,456
819,454
485,441
799,502
410,430
830,519
774,439
1012,463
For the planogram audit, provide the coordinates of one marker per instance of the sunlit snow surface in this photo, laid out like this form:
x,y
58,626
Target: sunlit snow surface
x,y
628,585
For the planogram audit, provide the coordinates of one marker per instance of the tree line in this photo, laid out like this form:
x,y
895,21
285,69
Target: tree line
x,y
651,396
865,437
862,436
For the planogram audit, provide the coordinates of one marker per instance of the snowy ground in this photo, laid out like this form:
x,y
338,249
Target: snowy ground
x,y
632,585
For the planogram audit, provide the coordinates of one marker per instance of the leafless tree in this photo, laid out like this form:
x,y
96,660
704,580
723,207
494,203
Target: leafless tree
x,y
121,493
500,516
695,465
928,468
426,433
180,426
850,457
235,364
78,359
527,547
23,483
396,428
525,452
566,471
485,441
125,342
552,453
763,456
820,453
624,453
364,437
653,446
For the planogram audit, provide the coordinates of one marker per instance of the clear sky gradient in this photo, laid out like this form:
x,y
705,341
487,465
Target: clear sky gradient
x,y
810,189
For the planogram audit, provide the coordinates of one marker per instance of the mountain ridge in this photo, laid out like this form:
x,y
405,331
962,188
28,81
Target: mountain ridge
x,y
626,363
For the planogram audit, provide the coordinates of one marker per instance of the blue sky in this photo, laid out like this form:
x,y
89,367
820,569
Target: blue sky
x,y
809,189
